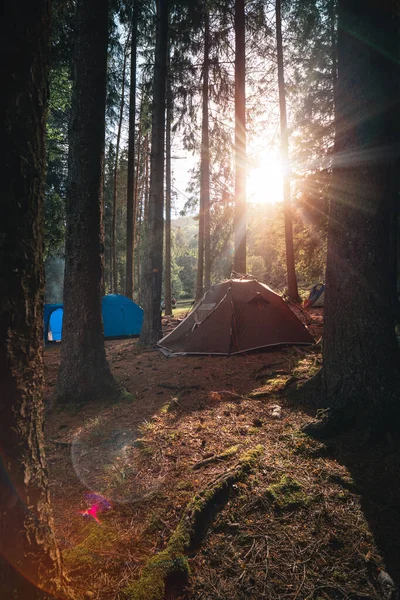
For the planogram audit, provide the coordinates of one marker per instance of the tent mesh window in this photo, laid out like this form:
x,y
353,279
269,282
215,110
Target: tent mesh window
x,y
203,311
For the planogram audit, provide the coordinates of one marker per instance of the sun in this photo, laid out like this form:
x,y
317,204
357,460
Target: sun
x,y
265,180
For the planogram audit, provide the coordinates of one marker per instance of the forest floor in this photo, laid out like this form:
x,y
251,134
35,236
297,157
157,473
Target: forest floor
x,y
308,521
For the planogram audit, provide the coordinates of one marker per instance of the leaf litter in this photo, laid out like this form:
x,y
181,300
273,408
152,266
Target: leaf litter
x,y
295,527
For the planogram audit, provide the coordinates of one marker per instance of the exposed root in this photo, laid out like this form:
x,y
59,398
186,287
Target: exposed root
x,y
171,565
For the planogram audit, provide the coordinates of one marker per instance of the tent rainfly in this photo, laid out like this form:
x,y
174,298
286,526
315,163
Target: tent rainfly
x,y
233,317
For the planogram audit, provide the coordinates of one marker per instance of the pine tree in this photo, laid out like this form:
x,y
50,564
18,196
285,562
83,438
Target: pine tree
x,y
167,278
130,200
152,268
290,266
30,561
240,139
360,376
205,154
84,373
115,182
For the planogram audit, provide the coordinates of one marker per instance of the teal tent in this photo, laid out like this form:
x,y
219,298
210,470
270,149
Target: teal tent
x,y
121,317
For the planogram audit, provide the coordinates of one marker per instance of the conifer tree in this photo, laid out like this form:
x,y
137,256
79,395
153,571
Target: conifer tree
x,y
290,266
30,560
130,200
167,278
153,263
240,139
84,373
360,377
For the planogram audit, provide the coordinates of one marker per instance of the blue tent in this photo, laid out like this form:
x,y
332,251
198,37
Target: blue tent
x,y
121,318
53,314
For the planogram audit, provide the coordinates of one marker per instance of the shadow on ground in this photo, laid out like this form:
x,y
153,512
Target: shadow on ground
x,y
376,474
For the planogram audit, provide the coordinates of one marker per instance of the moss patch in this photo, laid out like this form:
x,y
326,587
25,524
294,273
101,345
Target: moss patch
x,y
99,540
272,386
288,493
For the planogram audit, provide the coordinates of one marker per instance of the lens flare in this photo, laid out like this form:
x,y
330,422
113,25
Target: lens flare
x,y
97,505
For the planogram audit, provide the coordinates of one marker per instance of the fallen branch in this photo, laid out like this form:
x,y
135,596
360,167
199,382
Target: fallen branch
x,y
234,395
171,563
216,458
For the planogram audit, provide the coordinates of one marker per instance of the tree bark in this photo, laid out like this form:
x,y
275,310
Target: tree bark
x,y
360,376
152,268
115,181
290,266
200,251
84,373
130,201
333,43
29,555
136,233
142,209
205,155
146,180
167,278
102,209
239,263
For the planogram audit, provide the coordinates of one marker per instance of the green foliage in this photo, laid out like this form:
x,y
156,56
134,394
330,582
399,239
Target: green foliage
x,y
60,86
266,240
311,28
266,244
256,266
311,47
183,256
57,159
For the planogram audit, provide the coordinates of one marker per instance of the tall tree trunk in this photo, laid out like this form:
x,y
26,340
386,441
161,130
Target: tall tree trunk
x,y
29,556
360,376
146,182
239,263
291,272
397,242
205,154
203,252
167,278
130,218
136,193
333,43
102,208
138,243
84,373
142,211
152,271
200,251
115,181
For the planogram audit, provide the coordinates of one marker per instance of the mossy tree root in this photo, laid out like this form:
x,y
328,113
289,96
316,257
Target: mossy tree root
x,y
170,566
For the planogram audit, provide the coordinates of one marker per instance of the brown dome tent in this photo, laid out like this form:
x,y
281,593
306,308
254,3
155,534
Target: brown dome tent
x,y
236,316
